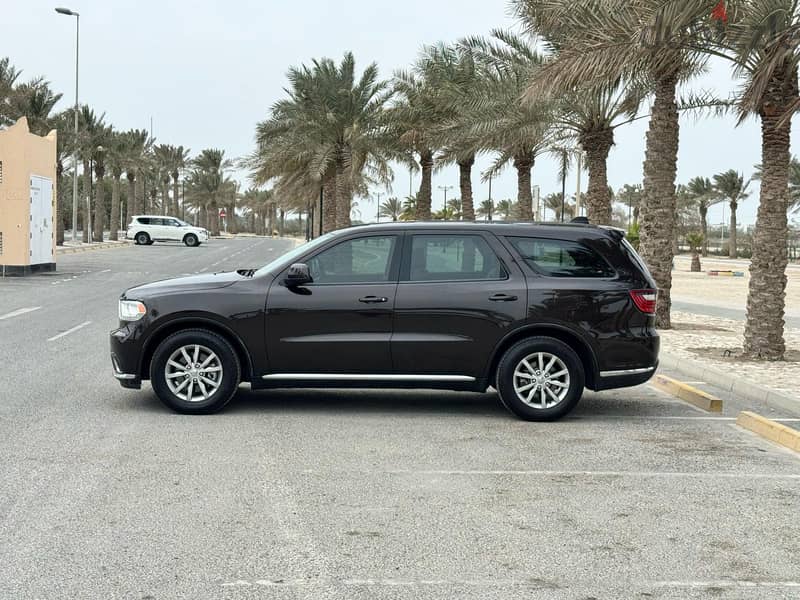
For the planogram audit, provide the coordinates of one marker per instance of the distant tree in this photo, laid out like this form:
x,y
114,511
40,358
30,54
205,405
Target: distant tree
x,y
732,187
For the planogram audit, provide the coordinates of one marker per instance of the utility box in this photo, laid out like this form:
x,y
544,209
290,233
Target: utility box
x,y
27,200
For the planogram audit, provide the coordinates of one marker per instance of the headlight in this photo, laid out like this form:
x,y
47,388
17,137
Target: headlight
x,y
131,310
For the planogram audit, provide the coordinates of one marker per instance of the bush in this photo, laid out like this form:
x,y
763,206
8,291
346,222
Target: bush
x,y
633,235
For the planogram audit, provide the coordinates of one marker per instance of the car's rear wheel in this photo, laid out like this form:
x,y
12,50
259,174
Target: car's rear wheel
x,y
540,379
195,371
142,239
191,240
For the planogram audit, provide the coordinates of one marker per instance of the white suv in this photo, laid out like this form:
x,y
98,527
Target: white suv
x,y
146,229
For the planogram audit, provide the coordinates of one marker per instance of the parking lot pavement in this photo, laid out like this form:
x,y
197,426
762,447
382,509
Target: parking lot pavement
x,y
360,494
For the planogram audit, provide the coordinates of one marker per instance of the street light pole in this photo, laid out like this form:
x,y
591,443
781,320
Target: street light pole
x,y
444,188
66,11
378,208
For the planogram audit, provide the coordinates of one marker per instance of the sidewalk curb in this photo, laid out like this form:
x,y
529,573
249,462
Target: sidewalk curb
x,y
737,386
103,246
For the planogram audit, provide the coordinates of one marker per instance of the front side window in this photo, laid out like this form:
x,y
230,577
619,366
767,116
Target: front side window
x,y
561,258
452,257
360,260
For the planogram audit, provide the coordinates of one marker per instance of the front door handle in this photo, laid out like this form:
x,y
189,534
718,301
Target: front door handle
x,y
502,298
373,299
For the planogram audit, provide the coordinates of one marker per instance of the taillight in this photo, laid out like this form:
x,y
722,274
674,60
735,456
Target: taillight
x,y
645,300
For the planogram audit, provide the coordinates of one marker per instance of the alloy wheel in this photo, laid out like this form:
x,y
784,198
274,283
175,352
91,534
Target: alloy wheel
x,y
541,380
193,373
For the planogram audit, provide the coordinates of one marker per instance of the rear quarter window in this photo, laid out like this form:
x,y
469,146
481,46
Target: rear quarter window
x,y
561,258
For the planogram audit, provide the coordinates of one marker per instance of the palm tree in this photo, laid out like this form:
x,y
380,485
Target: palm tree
x,y
485,210
704,194
732,187
499,120
415,118
452,70
136,144
631,196
92,131
638,42
102,137
208,183
762,43
409,208
456,207
504,208
63,123
179,161
555,202
8,79
36,101
392,208
115,157
328,133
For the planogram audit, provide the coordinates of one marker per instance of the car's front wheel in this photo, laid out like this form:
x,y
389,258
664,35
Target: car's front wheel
x,y
191,240
195,371
540,379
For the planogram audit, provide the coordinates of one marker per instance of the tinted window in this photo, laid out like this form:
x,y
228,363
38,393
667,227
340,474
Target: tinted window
x,y
144,220
362,260
452,257
561,258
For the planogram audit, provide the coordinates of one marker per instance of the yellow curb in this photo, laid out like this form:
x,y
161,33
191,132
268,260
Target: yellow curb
x,y
766,428
687,393
75,249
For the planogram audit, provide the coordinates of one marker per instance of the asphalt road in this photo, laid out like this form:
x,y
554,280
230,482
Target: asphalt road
x,y
357,494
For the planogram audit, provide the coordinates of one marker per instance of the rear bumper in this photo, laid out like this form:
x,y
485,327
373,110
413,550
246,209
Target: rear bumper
x,y
609,380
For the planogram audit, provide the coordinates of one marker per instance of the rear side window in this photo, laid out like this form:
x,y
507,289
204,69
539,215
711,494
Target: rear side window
x,y
561,258
453,257
143,220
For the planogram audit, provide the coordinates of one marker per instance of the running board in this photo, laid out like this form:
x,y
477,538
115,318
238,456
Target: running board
x,y
364,377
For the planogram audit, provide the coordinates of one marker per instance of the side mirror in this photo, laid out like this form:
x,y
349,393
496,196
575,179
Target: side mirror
x,y
298,274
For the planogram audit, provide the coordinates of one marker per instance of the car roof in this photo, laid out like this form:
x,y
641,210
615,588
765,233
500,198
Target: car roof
x,y
503,228
155,217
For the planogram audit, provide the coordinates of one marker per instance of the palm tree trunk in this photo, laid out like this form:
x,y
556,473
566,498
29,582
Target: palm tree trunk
x,y
60,203
132,205
732,250
425,187
175,196
99,203
165,204
86,197
658,214
114,219
763,333
344,194
465,184
328,201
597,145
523,163
704,229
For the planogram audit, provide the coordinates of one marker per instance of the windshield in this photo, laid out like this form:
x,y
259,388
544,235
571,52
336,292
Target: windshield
x,y
287,258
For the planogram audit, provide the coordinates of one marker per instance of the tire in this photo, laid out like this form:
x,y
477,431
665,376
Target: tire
x,y
142,239
191,240
174,391
565,390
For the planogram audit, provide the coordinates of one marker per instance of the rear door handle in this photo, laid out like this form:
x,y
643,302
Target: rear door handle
x,y
373,299
502,298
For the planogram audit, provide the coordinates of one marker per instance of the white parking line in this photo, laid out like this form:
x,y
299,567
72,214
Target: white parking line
x,y
535,473
68,331
728,583
18,312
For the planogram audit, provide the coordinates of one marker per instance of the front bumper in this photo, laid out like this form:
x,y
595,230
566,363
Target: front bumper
x,y
124,357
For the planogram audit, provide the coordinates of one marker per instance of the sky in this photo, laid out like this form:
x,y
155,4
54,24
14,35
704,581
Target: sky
x,y
206,72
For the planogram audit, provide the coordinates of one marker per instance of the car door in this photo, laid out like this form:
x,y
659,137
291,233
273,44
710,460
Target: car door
x,y
342,322
459,294
172,230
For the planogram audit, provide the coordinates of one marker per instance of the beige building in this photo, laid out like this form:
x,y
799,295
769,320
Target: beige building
x,y
27,200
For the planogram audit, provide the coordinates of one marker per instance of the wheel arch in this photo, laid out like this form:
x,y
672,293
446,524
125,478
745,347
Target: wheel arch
x,y
572,339
195,322
194,235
